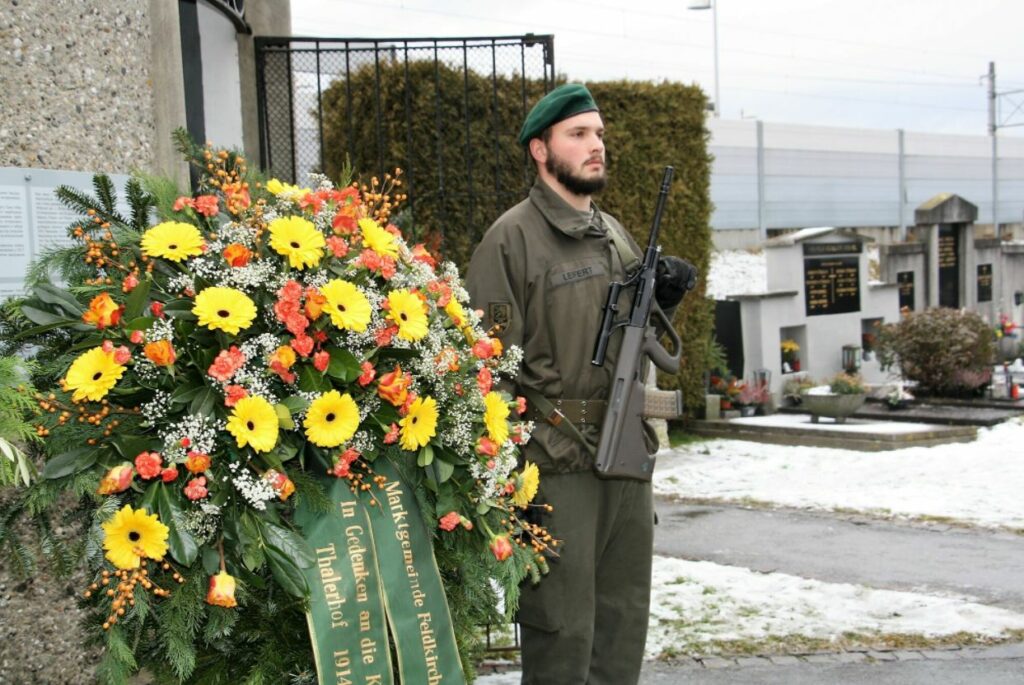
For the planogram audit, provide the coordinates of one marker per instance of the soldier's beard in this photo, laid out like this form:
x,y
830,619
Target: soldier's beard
x,y
577,185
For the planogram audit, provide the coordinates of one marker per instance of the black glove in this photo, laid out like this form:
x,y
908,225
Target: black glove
x,y
673,279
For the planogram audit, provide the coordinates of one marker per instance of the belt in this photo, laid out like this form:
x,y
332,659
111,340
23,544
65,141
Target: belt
x,y
576,412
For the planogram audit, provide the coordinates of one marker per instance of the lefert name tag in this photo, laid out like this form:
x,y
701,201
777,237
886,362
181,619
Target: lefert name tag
x,y
575,273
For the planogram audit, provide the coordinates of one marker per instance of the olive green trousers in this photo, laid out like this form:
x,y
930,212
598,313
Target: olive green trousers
x,y
586,622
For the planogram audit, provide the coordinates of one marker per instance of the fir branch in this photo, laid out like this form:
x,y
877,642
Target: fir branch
x,y
308,491
163,192
180,617
140,203
74,199
66,263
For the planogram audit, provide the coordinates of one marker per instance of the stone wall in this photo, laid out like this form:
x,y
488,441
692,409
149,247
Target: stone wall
x,y
77,86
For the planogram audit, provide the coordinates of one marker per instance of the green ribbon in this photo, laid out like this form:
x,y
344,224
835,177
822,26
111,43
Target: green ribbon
x,y
375,563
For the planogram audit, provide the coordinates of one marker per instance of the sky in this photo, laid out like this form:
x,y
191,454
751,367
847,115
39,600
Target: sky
x,y
882,64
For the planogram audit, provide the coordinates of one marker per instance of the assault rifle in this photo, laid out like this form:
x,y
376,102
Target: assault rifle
x,y
621,452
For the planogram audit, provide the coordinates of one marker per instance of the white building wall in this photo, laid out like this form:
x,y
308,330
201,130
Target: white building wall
x,y
825,176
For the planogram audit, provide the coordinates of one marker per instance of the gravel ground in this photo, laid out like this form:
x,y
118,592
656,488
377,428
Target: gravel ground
x,y
40,636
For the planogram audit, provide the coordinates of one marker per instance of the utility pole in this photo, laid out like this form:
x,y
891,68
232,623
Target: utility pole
x,y
993,127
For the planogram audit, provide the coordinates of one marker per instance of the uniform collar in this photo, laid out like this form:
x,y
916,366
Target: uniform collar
x,y
561,215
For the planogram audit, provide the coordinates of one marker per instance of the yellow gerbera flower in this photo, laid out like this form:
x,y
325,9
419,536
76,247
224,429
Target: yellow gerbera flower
x,y
420,424
409,313
253,422
347,305
526,487
298,240
496,413
285,190
132,534
377,239
226,309
173,240
93,374
332,419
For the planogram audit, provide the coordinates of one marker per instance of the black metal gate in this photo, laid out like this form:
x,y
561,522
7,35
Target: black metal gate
x,y
445,110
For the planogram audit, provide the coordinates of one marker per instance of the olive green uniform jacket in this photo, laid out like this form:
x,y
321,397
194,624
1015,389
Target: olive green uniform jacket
x,y
541,272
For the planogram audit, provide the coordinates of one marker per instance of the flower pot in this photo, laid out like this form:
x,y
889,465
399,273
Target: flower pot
x,y
748,410
795,365
837,407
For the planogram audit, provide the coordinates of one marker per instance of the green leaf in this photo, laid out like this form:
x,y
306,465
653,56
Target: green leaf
x,y
343,365
142,323
284,417
182,545
53,295
442,470
148,499
211,560
180,309
204,402
43,318
70,462
291,544
136,302
295,403
311,380
483,507
426,456
185,393
129,446
286,573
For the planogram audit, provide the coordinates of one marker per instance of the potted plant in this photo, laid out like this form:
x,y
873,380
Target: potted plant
x,y
794,388
750,397
842,396
790,359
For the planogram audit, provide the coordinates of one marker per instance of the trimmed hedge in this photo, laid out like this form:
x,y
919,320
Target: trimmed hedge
x,y
648,126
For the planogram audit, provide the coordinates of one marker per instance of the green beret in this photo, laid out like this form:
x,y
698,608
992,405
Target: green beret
x,y
561,103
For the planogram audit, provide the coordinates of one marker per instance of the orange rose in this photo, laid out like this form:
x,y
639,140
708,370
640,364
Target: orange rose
x,y
160,352
222,590
282,484
284,356
394,386
103,311
117,479
237,254
197,462
501,547
314,304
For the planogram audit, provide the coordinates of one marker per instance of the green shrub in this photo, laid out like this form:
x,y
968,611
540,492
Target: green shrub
x,y
945,351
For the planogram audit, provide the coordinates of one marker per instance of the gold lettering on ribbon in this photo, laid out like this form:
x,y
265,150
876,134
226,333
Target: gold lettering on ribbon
x,y
429,648
329,579
399,515
342,667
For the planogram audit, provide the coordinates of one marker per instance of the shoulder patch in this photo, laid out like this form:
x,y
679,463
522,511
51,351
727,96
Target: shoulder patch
x,y
499,314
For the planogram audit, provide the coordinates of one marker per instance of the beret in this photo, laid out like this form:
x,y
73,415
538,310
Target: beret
x,y
563,102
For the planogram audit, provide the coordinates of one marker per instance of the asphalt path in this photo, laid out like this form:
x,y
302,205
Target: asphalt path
x,y
985,565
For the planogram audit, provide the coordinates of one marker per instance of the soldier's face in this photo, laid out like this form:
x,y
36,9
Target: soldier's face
x,y
575,153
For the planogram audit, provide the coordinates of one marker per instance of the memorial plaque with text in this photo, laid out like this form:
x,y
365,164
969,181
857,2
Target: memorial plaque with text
x,y
984,283
949,267
824,249
832,285
905,280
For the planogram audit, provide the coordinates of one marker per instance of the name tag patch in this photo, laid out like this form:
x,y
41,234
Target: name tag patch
x,y
575,273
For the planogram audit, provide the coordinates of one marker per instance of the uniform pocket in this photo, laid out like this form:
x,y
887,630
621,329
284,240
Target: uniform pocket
x,y
576,292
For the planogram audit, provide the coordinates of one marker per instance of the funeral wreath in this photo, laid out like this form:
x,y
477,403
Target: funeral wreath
x,y
228,369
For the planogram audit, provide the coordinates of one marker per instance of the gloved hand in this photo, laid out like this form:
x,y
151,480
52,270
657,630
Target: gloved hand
x,y
673,279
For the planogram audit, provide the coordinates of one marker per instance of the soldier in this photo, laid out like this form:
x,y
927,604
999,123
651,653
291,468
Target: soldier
x,y
541,275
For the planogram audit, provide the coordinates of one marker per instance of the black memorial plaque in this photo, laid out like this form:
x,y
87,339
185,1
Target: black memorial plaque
x,y
905,279
832,285
984,283
949,267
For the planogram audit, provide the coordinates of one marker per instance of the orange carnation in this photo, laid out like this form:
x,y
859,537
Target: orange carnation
x,y
160,352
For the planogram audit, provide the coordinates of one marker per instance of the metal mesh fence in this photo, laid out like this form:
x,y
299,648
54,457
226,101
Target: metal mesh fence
x,y
445,110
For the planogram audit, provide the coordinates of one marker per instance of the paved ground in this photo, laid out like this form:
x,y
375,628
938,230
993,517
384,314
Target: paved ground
x,y
841,548
847,549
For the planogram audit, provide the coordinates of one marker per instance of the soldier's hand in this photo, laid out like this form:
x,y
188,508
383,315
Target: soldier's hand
x,y
673,279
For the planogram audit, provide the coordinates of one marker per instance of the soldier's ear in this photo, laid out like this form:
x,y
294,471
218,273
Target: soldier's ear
x,y
538,150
